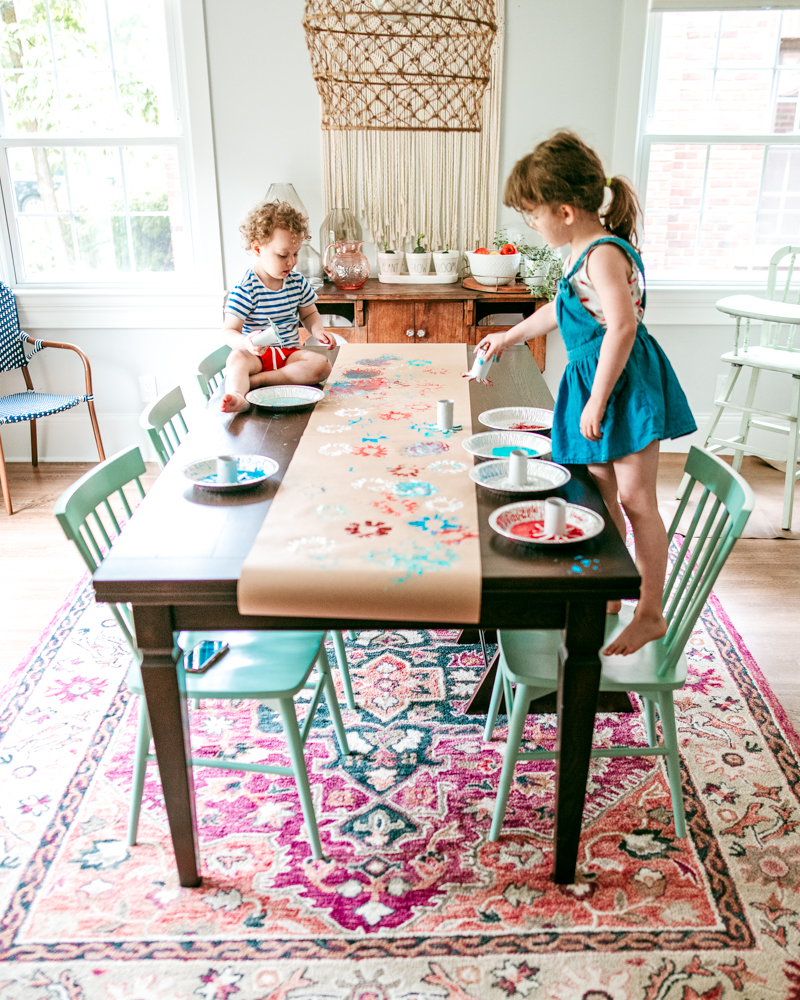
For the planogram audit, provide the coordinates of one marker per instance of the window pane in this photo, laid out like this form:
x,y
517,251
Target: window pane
x,y
98,213
111,69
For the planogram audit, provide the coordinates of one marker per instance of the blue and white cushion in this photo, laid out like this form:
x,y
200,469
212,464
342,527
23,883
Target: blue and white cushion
x,y
31,405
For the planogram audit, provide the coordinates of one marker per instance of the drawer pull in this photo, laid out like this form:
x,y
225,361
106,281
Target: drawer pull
x,y
409,333
420,333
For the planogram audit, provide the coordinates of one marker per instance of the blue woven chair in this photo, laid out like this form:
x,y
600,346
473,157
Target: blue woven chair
x,y
30,405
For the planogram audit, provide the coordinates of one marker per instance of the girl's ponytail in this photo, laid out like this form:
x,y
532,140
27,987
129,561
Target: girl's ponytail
x,y
622,214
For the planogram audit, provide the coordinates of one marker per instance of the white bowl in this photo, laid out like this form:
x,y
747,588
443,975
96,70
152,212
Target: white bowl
x,y
542,476
527,518
500,444
493,269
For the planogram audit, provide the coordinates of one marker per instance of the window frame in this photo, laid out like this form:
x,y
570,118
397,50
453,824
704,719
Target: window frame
x,y
186,43
646,139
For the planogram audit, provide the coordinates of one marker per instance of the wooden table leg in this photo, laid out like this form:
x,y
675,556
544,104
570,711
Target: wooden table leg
x,y
169,722
578,683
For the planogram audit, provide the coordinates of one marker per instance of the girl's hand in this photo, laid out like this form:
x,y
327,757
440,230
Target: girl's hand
x,y
326,339
494,343
591,419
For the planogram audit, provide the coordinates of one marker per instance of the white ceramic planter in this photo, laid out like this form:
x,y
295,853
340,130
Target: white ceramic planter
x,y
418,263
446,261
493,269
390,263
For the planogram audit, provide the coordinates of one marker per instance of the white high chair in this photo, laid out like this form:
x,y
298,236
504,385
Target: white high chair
x,y
779,315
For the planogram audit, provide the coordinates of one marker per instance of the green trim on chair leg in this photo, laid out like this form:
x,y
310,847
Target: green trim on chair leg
x,y
516,727
329,689
139,767
295,744
344,669
666,710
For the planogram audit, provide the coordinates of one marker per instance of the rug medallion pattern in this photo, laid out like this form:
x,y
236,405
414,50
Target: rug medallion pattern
x,y
412,901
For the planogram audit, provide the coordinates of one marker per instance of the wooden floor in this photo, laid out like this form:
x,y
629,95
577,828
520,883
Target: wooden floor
x,y
759,586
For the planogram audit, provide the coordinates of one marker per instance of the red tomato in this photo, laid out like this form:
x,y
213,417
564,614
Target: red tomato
x,y
508,248
481,250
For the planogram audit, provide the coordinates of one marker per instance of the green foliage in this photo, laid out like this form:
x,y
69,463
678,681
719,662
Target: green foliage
x,y
386,247
538,263
151,237
419,248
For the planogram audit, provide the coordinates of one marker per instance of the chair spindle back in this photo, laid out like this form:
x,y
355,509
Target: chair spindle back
x,y
86,514
163,420
209,371
781,336
725,505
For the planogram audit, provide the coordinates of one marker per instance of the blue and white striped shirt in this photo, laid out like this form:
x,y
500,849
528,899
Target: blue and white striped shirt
x,y
254,303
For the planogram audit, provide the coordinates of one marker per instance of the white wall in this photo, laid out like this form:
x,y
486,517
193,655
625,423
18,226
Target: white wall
x,y
562,68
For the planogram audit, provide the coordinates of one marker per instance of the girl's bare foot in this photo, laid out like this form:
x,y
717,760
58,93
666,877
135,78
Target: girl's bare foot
x,y
234,402
613,607
643,629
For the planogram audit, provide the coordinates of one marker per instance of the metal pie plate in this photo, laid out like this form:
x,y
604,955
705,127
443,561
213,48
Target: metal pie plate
x,y
253,469
517,418
542,476
499,444
285,398
582,523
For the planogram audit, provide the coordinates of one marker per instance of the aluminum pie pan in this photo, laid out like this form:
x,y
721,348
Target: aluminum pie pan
x,y
518,418
542,476
499,444
285,398
253,469
582,523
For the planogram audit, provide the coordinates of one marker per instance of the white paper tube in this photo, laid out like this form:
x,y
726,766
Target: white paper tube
x,y
480,366
268,337
444,414
555,517
518,468
227,469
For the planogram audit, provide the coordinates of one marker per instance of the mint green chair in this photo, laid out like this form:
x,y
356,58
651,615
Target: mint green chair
x,y
209,371
163,421
270,667
529,659
165,426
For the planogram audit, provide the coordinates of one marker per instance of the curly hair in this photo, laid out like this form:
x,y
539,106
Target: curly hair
x,y
563,170
261,222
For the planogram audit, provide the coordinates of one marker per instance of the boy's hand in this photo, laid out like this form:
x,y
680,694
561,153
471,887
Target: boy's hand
x,y
326,339
249,346
591,419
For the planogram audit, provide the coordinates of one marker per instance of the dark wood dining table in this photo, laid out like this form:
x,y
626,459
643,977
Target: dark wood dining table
x,y
178,560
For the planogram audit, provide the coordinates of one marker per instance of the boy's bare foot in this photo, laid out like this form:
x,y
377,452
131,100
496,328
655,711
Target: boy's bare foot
x,y
234,402
613,607
642,629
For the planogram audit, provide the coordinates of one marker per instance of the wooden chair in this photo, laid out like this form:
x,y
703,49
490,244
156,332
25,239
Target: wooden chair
x,y
529,659
209,371
779,316
30,405
270,667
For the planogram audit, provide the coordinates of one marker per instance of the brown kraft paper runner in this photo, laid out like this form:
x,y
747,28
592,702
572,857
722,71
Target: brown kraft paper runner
x,y
376,517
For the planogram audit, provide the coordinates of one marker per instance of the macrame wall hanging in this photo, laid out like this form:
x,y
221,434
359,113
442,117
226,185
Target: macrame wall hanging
x,y
411,114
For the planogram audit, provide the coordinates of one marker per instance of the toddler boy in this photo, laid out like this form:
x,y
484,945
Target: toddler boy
x,y
274,232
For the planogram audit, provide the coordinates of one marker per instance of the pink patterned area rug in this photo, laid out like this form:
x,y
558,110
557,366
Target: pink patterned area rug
x,y
413,902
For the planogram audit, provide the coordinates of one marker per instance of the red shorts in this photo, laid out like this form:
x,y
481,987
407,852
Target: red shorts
x,y
275,358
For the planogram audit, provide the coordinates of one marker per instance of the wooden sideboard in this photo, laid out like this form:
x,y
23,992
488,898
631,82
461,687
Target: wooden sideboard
x,y
443,314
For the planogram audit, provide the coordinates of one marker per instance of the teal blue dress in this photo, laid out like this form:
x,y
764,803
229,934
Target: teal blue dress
x,y
646,404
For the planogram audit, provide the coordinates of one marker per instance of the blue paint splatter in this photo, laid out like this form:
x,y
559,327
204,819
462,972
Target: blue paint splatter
x,y
415,489
414,562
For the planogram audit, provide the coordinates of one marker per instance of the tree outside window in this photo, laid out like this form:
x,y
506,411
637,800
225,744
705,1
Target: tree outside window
x,y
91,164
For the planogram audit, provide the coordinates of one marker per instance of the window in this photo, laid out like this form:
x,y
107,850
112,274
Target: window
x,y
92,159
720,164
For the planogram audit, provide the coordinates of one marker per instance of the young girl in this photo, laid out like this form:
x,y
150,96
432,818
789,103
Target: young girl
x,y
619,395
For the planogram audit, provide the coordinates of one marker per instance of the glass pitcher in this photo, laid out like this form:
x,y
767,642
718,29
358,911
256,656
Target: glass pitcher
x,y
340,224
349,268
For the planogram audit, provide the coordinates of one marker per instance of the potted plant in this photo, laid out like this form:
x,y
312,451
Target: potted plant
x,y
540,267
446,261
389,261
418,261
